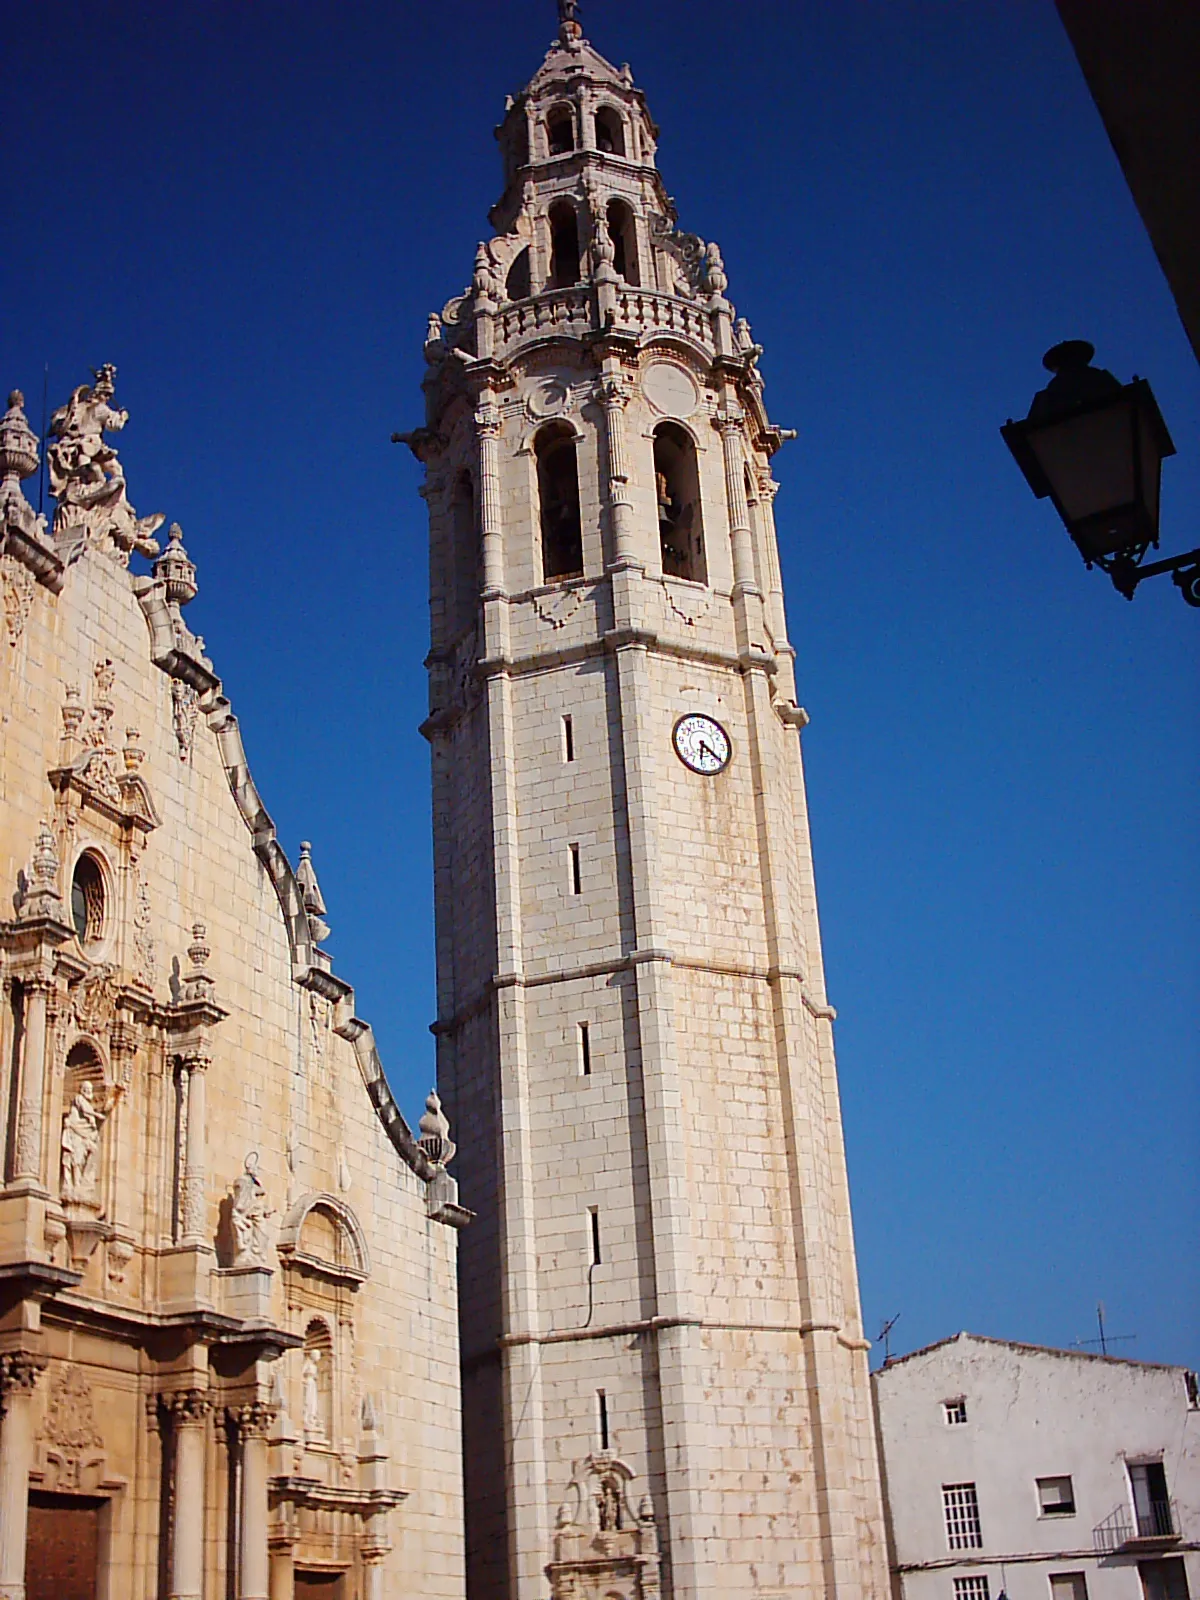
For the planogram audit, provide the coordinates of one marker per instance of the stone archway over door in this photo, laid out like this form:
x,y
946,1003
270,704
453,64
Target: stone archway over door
x,y
62,1547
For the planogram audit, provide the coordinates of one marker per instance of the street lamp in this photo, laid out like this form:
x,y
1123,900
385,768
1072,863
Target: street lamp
x,y
1096,446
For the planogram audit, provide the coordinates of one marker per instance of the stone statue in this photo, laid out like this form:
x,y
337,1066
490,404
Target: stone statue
x,y
248,1218
314,1421
87,479
608,1505
81,1147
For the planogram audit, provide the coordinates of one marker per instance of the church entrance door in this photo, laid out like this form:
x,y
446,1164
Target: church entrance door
x,y
62,1547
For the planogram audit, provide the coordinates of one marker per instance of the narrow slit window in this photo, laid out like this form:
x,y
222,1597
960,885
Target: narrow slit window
x,y
602,1417
576,874
585,1050
594,1233
568,739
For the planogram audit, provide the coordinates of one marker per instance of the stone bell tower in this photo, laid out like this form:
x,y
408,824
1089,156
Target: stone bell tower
x,y
665,1378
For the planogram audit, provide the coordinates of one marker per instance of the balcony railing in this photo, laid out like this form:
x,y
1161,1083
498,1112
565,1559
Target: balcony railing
x,y
1124,1526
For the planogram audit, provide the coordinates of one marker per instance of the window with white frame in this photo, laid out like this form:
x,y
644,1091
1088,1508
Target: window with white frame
x,y
1068,1586
973,1587
961,1505
1056,1496
954,1411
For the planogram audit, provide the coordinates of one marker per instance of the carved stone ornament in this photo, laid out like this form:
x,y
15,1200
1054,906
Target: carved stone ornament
x,y
81,1131
249,1216
19,585
185,705
144,950
310,889
114,784
19,1372
435,1132
187,1407
86,477
602,1546
40,896
70,1413
18,461
94,1001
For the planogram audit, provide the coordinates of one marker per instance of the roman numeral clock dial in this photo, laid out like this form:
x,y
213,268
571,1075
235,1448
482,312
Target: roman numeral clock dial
x,y
702,745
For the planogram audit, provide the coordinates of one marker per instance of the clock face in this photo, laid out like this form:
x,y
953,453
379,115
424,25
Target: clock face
x,y
702,744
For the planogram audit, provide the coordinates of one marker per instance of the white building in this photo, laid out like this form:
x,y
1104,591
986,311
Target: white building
x,y
1035,1474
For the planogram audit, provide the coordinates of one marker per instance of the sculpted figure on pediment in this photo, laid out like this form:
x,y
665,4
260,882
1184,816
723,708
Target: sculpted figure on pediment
x,y
86,476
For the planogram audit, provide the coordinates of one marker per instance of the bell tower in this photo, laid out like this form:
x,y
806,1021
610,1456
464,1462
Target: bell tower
x,y
665,1378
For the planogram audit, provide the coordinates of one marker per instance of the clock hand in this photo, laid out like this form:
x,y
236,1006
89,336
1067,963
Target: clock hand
x,y
707,750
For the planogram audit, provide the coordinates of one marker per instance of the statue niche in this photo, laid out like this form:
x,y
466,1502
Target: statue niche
x,y
602,1546
88,1102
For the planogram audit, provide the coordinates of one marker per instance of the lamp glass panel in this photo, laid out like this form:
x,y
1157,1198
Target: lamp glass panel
x,y
1089,460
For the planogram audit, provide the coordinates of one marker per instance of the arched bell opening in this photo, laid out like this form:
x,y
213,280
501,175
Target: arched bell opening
x,y
560,131
558,497
610,132
466,575
680,523
622,230
564,245
518,285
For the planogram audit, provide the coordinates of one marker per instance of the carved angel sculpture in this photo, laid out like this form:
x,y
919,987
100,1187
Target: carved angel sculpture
x,y
87,479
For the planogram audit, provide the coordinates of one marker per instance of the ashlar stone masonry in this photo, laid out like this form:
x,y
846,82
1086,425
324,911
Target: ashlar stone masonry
x,y
665,1378
228,1347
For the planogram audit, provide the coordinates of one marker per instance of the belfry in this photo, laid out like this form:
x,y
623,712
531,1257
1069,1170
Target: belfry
x,y
665,1382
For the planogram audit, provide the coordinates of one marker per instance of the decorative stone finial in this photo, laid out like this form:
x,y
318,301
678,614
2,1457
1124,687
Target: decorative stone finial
x,y
435,1132
132,750
41,897
174,568
87,479
199,983
18,461
714,270
310,893
569,28
72,711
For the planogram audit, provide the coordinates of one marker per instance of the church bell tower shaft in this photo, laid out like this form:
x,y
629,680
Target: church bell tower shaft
x,y
665,1379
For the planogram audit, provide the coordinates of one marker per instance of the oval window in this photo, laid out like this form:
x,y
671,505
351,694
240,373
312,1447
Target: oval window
x,y
87,899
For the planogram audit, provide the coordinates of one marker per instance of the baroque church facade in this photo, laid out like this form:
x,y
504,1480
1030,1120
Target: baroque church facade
x,y
251,1343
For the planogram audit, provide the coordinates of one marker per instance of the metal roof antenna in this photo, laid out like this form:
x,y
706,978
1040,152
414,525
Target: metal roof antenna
x,y
885,1333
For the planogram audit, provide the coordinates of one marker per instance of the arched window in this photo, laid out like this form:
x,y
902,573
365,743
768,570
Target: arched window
x,y
564,245
560,131
466,558
88,899
558,494
623,233
518,286
610,132
680,526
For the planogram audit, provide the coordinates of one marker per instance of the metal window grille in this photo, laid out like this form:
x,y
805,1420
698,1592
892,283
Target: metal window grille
x,y
973,1588
961,1505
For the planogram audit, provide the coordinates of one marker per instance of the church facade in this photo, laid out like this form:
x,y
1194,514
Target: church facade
x,y
665,1380
228,1352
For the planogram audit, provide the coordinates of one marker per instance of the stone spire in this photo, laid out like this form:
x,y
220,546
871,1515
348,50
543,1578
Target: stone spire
x,y
18,461
310,890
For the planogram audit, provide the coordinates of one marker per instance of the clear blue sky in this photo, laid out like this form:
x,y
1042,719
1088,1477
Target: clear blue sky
x,y
252,208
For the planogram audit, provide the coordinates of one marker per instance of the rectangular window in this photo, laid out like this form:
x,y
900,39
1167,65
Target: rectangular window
x,y
974,1587
585,1050
602,1417
1151,1503
961,1505
594,1233
1068,1586
576,876
568,739
1164,1580
955,1411
1056,1497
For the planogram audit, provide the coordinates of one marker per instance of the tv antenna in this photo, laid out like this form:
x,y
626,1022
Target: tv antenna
x,y
1105,1338
885,1334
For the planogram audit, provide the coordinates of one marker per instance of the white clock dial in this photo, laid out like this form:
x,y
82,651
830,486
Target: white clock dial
x,y
702,744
